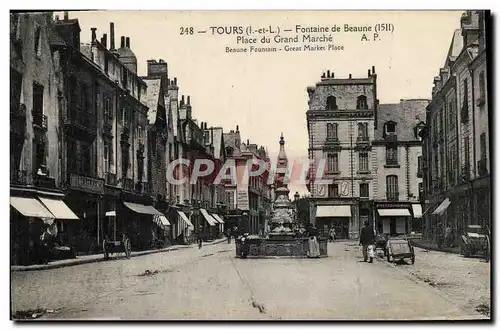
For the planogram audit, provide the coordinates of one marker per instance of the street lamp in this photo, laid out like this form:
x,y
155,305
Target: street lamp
x,y
296,200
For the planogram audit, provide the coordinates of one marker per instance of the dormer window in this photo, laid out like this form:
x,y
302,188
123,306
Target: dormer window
x,y
229,151
362,102
331,103
390,128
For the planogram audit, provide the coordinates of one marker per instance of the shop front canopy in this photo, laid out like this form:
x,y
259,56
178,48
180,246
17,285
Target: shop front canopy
x,y
394,212
185,219
30,207
143,209
58,208
338,211
442,207
218,218
211,221
417,211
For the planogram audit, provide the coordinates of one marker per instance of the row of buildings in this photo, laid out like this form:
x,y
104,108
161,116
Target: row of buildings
x,y
91,142
456,140
408,166
372,154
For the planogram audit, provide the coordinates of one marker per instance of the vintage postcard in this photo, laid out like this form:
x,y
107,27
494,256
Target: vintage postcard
x,y
250,165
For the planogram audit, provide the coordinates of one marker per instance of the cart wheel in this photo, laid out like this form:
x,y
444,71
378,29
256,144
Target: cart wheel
x,y
105,250
488,249
128,248
413,260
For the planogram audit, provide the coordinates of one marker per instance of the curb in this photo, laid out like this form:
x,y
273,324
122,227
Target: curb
x,y
431,248
90,261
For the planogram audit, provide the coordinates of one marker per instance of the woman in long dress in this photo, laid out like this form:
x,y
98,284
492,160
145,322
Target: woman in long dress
x,y
313,243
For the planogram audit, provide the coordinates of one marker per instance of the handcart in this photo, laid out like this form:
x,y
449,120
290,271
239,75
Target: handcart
x,y
399,248
110,247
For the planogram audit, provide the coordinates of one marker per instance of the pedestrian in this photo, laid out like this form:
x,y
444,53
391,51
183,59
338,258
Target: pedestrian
x,y
367,238
228,233
439,235
313,243
332,234
200,237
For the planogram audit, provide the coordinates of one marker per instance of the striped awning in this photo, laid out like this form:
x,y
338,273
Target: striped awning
x,y
211,221
185,219
161,220
218,218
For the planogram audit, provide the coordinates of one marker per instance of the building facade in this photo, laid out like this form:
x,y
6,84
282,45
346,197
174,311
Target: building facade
x,y
340,120
397,164
457,189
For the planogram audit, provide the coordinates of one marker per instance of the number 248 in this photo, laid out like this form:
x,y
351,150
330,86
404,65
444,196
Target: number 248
x,y
187,30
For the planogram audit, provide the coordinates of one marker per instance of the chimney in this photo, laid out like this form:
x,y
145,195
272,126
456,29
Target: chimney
x,y
161,61
182,100
328,73
369,73
333,75
66,16
122,43
248,142
93,34
373,69
112,36
237,128
323,75
175,81
104,40
127,42
188,100
350,76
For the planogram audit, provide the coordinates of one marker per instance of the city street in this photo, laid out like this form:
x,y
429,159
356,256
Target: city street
x,y
210,284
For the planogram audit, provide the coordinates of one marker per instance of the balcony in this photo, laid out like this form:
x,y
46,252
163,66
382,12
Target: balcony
x,y
110,179
465,173
39,120
392,196
362,140
332,143
82,124
86,183
128,184
18,177
391,163
482,169
391,137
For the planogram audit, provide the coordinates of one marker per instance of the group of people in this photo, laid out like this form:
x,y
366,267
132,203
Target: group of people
x,y
445,237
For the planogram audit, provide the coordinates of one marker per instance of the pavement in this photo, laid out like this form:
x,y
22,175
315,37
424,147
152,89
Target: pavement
x,y
430,245
211,284
86,259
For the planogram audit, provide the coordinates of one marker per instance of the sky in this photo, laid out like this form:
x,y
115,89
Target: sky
x,y
264,93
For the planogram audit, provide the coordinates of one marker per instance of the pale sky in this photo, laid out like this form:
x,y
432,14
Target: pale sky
x,y
265,93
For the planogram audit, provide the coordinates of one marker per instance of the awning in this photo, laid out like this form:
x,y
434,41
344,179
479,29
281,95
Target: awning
x,y
417,210
184,218
211,221
111,214
30,207
143,209
58,208
394,212
442,207
333,211
161,220
218,218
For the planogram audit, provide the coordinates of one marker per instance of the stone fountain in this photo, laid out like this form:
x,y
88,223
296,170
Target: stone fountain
x,y
281,241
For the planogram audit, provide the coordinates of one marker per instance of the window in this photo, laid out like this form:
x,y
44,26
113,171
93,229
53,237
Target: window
x,y
361,102
125,160
331,131
140,134
124,117
392,187
15,21
482,145
40,155
106,64
363,131
81,157
363,162
230,199
229,152
391,155
331,103
482,86
466,153
333,190
106,157
16,80
124,78
333,162
206,137
451,116
390,127
364,190
464,114
108,109
37,40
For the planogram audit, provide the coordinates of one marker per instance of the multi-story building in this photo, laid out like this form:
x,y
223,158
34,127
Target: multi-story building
x,y
397,165
249,201
36,182
456,185
159,129
105,157
340,121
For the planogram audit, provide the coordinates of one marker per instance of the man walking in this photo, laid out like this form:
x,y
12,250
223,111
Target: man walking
x,y
366,238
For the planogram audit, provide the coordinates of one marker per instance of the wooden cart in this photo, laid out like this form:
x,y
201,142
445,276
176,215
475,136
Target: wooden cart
x,y
400,248
110,247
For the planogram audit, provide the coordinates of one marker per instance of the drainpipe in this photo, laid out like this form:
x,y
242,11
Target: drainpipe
x,y
474,163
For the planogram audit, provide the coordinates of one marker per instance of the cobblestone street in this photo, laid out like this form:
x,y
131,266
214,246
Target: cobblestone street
x,y
211,284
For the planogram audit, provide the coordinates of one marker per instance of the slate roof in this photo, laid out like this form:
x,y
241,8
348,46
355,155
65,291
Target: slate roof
x,y
456,45
407,115
152,98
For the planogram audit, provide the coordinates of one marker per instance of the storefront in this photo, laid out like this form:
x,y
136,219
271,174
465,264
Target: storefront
x,y
393,219
141,228
334,216
183,228
209,227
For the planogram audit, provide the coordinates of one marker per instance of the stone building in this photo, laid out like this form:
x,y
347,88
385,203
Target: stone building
x,y
249,201
456,184
397,165
36,181
105,157
340,121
